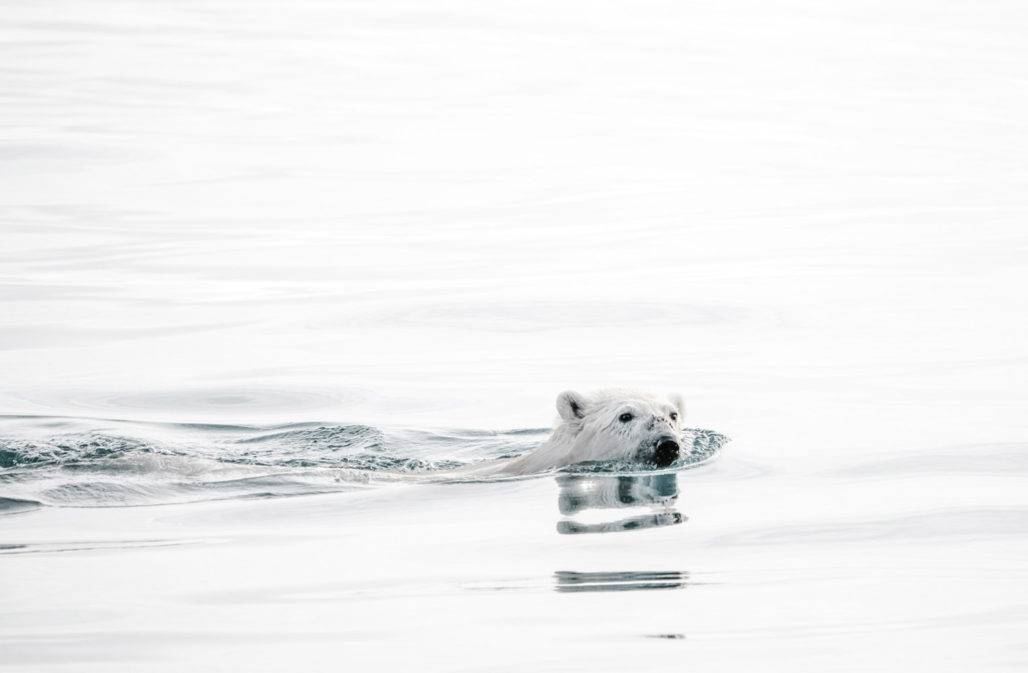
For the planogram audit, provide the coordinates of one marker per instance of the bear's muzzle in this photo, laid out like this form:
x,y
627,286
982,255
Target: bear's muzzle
x,y
667,451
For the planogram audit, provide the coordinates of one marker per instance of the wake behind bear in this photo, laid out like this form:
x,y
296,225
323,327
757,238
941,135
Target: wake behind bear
x,y
608,425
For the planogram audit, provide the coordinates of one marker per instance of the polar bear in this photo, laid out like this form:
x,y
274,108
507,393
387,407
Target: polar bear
x,y
616,425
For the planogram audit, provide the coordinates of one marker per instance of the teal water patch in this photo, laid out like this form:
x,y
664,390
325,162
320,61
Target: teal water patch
x,y
17,506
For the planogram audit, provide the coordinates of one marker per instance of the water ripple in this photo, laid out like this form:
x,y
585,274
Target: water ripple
x,y
95,462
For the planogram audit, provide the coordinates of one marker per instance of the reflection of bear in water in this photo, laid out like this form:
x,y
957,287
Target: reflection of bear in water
x,y
611,425
578,492
583,492
571,527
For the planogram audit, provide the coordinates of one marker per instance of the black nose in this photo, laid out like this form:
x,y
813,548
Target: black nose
x,y
666,453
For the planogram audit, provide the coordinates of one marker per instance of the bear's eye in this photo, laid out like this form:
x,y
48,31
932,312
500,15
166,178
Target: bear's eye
x,y
674,416
625,417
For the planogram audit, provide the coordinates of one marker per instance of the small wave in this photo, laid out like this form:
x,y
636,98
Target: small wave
x,y
89,462
17,506
66,450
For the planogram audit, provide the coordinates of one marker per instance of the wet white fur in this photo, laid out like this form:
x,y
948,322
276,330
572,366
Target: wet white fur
x,y
589,429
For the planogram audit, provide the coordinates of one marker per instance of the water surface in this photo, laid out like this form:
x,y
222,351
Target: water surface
x,y
254,256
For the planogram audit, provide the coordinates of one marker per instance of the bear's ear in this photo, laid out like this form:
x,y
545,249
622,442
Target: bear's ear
x,y
679,403
570,405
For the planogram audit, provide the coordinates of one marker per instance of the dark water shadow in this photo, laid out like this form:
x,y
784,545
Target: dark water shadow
x,y
87,546
567,581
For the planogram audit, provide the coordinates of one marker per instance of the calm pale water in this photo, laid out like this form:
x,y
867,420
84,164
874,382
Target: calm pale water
x,y
268,270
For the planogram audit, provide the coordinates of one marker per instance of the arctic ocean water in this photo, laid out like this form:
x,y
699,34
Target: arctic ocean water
x,y
256,255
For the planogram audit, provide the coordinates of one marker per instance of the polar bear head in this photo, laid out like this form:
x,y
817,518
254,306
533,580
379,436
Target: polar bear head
x,y
620,425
